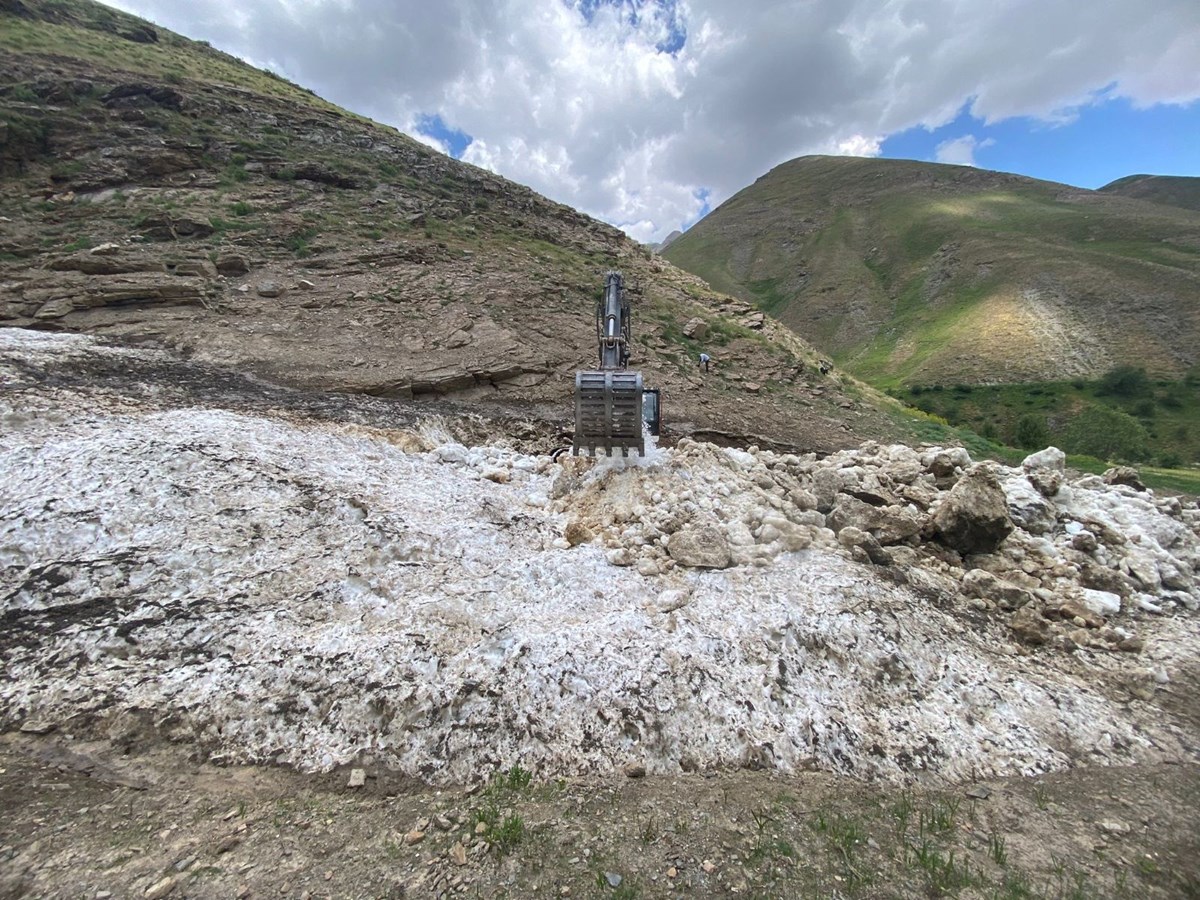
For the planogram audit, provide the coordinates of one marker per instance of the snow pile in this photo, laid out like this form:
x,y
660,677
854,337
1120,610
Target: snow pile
x,y
321,594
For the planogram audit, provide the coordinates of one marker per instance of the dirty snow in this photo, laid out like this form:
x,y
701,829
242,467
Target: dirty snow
x,y
319,594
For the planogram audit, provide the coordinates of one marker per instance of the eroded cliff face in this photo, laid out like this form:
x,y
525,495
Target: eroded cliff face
x,y
264,582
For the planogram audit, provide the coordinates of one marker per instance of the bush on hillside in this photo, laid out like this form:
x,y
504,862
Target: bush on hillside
x,y
1031,432
1107,433
1125,381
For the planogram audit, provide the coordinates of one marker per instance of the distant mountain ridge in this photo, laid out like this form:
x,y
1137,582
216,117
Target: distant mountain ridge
x,y
919,273
1173,190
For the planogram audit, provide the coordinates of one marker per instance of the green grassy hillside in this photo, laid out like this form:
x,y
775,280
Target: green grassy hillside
x,y
914,274
1173,190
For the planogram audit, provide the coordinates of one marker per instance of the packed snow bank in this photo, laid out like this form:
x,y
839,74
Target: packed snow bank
x,y
317,594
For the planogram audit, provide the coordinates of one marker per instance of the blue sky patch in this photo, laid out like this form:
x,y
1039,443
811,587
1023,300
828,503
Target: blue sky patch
x,y
1104,142
433,126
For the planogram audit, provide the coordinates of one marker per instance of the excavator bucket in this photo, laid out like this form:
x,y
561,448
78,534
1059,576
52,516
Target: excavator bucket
x,y
608,413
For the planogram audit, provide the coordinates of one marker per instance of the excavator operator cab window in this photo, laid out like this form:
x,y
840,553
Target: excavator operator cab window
x,y
651,414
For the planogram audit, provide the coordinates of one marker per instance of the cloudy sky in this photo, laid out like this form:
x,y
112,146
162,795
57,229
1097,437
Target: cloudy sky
x,y
646,113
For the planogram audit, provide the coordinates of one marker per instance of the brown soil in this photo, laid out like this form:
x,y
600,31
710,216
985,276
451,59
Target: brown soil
x,y
81,821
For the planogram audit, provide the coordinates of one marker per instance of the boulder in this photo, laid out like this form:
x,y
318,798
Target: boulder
x,y
1005,594
700,547
1027,504
232,264
973,517
1051,458
696,329
864,542
887,524
270,289
1125,475
943,463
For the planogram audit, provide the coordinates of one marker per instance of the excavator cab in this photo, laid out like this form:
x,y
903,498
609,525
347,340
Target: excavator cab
x,y
652,411
609,400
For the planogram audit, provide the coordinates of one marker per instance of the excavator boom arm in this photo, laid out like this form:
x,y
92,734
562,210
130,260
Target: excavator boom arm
x,y
608,400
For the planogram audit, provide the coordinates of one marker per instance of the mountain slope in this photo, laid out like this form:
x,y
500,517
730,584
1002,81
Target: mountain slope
x,y
916,273
1172,190
160,190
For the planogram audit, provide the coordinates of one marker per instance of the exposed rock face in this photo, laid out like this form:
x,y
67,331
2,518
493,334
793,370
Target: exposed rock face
x,y
973,517
59,297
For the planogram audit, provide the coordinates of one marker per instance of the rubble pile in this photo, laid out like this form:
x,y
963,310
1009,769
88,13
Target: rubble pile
x,y
317,593
1058,558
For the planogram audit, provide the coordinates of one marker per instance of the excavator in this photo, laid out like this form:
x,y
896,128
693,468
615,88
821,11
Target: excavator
x,y
611,403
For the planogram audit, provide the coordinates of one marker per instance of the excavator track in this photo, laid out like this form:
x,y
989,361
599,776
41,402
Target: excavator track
x,y
608,413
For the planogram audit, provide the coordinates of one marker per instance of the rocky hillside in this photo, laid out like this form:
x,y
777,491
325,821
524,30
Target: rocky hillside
x,y
1172,190
913,273
158,190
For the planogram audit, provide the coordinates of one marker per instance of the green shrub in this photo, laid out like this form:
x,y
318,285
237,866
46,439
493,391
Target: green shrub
x,y
1107,433
1031,432
1125,381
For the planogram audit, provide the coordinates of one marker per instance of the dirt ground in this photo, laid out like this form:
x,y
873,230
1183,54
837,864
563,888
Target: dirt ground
x,y
84,821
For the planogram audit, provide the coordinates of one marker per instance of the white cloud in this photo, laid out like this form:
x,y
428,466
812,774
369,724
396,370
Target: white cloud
x,y
960,151
591,113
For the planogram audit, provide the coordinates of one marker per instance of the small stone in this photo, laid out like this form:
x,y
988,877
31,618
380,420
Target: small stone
x,y
614,880
458,853
305,285
619,556
1029,626
160,888
358,778
481,827
577,533
634,770
243,892
414,837
1132,645
1115,827
647,567
227,844
979,792
708,866
442,823
270,289
672,872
